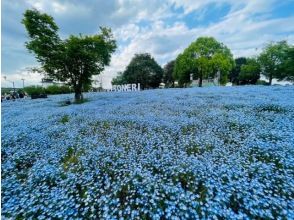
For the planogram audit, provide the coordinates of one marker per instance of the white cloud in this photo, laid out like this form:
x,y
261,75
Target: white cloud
x,y
29,79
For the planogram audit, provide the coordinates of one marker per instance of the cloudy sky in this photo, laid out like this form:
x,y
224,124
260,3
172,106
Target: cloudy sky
x,y
162,28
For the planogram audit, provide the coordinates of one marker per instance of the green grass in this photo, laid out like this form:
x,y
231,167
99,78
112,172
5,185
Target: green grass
x,y
64,119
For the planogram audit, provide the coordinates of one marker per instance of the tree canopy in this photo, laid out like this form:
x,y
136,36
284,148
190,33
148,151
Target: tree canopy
x,y
249,72
142,69
272,60
168,70
119,79
204,58
287,68
235,72
73,60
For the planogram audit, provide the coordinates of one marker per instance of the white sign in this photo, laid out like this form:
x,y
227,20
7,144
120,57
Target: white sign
x,y
126,88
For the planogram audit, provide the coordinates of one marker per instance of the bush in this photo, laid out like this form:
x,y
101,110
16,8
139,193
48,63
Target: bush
x,y
54,89
34,90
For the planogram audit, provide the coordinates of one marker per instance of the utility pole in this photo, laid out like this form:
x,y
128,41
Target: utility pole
x,y
23,83
10,81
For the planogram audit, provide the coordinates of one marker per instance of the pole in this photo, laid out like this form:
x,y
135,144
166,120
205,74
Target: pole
x,y
10,81
23,83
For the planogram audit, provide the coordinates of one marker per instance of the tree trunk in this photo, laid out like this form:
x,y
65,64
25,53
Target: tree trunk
x,y
78,94
200,81
270,79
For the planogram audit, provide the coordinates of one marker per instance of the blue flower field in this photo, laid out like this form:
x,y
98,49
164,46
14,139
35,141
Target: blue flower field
x,y
197,153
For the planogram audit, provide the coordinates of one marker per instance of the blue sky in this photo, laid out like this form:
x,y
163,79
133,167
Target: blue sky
x,y
162,28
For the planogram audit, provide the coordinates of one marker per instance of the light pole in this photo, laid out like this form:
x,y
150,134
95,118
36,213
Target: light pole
x,y
23,83
10,81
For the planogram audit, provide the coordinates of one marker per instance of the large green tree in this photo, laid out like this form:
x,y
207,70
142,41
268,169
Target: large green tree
x,y
204,58
119,79
249,72
143,69
168,70
183,68
287,68
272,60
235,72
73,60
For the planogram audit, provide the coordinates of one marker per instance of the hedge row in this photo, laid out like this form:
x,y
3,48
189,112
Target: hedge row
x,y
54,89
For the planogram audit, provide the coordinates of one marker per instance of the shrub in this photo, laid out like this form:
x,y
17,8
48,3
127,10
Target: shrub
x,y
34,90
64,119
55,89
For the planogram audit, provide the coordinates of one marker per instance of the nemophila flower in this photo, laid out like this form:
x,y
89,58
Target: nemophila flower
x,y
177,154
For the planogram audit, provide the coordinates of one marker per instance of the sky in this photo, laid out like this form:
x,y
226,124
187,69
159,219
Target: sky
x,y
163,28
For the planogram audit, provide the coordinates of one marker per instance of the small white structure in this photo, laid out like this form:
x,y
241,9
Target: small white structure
x,y
125,88
162,85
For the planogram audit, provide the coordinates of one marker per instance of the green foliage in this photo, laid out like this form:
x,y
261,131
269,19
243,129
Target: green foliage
x,y
119,79
234,74
64,119
204,58
34,90
168,70
44,40
272,60
287,68
250,72
55,89
142,69
182,69
6,90
71,160
73,60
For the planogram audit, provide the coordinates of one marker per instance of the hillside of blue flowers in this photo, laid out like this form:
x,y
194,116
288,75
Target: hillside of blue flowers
x,y
197,153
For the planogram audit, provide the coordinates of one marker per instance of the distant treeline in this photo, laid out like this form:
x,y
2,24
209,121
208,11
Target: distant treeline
x,y
207,58
52,90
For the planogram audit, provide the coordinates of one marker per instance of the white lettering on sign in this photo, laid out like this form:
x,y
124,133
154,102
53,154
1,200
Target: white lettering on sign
x,y
126,88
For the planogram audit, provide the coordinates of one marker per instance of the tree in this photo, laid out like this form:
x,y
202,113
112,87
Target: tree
x,y
73,60
234,74
145,70
119,79
272,58
182,69
287,68
204,58
168,70
250,72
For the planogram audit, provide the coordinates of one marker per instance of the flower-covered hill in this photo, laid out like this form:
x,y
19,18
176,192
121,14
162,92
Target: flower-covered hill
x,y
196,153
